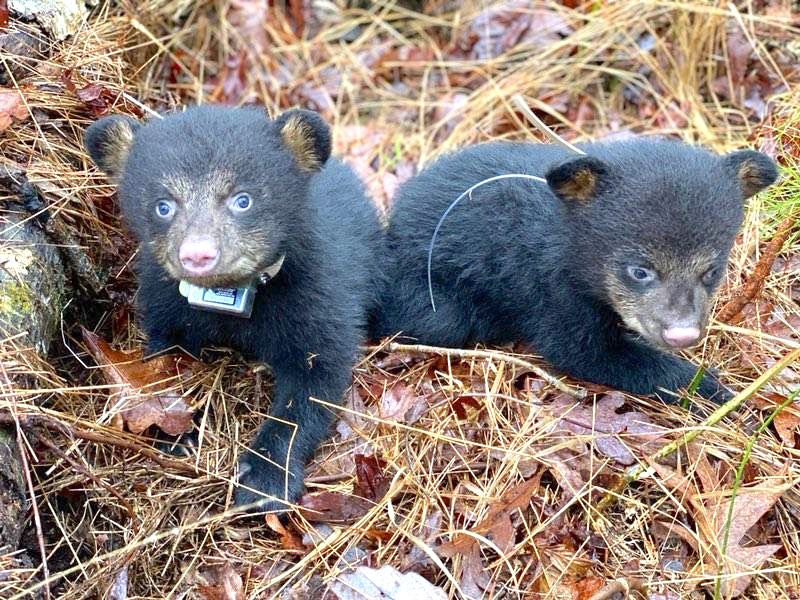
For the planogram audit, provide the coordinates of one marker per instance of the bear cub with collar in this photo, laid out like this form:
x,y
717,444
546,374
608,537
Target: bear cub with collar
x,y
602,269
225,202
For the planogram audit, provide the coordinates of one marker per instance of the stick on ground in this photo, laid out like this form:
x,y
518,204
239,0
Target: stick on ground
x,y
493,355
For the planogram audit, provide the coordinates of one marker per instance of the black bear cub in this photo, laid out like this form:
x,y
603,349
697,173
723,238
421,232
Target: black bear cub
x,y
238,214
611,261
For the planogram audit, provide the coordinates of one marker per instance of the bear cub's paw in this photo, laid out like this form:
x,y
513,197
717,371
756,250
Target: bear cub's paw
x,y
267,482
712,389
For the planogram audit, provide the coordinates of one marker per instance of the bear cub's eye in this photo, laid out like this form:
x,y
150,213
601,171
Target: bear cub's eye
x,y
240,202
641,274
165,209
710,276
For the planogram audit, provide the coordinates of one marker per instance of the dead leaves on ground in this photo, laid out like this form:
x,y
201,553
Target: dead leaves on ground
x,y
786,421
12,108
386,583
704,490
148,390
222,582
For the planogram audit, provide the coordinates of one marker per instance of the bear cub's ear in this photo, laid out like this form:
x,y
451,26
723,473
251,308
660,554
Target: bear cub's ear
x,y
578,179
754,170
306,136
108,142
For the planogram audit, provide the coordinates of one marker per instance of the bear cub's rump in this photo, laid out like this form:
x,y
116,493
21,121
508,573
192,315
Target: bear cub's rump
x,y
222,198
612,261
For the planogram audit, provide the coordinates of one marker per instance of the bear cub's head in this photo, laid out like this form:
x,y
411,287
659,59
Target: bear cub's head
x,y
212,193
652,222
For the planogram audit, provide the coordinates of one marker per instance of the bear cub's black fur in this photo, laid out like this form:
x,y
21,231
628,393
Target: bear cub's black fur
x,y
219,197
612,260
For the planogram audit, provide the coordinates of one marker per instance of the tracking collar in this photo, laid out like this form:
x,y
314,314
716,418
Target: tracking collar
x,y
236,301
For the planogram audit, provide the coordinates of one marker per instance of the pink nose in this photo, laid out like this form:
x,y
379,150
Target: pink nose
x,y
680,337
198,256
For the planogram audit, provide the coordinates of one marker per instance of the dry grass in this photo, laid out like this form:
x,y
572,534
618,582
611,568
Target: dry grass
x,y
486,425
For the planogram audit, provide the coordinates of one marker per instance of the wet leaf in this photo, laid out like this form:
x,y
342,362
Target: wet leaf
x,y
330,507
221,583
371,483
11,108
146,387
386,583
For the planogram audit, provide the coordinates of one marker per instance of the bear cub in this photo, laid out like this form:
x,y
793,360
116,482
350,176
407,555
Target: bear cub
x,y
244,214
613,260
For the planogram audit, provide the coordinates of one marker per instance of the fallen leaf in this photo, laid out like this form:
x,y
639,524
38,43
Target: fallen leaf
x,y
3,14
605,425
587,586
11,108
97,98
361,146
739,52
787,421
386,583
171,415
402,404
459,405
221,583
371,483
330,507
146,387
497,525
667,529
502,26
119,587
710,506
749,506
249,18
289,540
570,480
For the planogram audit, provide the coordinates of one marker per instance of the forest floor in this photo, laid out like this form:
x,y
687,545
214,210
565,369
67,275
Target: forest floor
x,y
469,469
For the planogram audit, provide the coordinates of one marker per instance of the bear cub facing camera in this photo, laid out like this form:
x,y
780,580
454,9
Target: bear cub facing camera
x,y
603,269
246,215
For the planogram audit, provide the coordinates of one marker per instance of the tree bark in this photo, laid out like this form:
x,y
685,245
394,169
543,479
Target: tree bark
x,y
32,292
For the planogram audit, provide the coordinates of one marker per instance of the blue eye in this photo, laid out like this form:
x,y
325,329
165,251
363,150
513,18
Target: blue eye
x,y
165,208
710,276
641,274
240,202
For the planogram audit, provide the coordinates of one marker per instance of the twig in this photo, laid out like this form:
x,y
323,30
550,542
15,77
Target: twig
x,y
634,473
84,471
755,282
491,354
552,135
92,436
